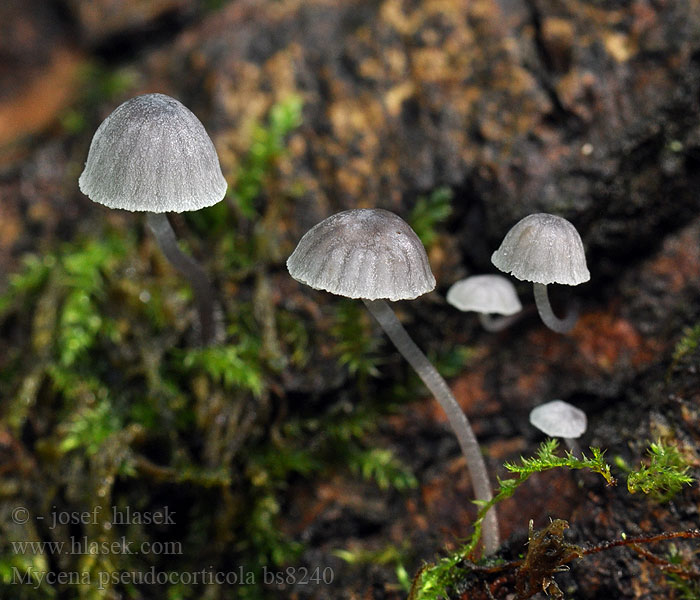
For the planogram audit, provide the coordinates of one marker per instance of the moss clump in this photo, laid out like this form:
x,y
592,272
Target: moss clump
x,y
662,475
109,405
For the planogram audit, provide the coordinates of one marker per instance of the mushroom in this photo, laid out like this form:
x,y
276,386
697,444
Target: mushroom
x,y
152,154
486,295
374,255
544,249
560,419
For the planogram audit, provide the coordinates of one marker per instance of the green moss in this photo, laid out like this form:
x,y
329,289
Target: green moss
x,y
685,588
267,145
429,213
662,475
356,346
388,555
120,409
233,365
434,581
688,343
98,84
382,466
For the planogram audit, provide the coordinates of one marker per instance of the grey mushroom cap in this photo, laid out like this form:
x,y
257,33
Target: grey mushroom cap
x,y
152,154
366,253
559,419
488,294
543,248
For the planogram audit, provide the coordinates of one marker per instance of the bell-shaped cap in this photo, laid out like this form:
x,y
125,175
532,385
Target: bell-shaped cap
x,y
152,154
545,249
488,294
366,253
559,419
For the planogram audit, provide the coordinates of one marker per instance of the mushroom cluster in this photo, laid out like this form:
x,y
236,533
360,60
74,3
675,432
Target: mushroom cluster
x,y
153,155
373,255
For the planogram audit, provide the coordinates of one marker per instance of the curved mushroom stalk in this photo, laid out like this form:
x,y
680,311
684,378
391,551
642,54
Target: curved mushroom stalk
x,y
336,254
544,308
458,421
209,314
494,324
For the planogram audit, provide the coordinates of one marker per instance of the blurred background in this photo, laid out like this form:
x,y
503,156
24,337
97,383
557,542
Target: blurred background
x,y
301,455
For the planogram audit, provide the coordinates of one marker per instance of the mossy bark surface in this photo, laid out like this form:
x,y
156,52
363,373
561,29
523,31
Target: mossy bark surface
x,y
304,433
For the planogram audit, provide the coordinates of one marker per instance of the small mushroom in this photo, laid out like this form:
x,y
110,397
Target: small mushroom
x,y
544,249
374,255
486,295
152,154
560,419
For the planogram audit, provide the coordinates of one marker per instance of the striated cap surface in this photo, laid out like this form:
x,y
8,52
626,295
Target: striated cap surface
x,y
363,253
489,294
543,248
559,419
152,154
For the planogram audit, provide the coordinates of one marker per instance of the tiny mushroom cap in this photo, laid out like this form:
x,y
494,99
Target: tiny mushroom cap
x,y
545,249
366,253
488,294
152,154
559,419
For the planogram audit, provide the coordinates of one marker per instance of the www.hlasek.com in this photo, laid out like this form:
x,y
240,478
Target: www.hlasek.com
x,y
105,579
83,545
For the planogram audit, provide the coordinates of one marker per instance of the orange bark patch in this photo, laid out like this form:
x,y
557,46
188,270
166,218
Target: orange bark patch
x,y
544,495
42,100
604,339
505,449
679,263
531,383
470,394
447,500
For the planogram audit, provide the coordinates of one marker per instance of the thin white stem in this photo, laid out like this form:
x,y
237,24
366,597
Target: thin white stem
x,y
493,324
458,421
544,308
211,326
574,447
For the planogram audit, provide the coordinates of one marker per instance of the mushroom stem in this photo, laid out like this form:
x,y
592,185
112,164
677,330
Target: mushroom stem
x,y
493,324
458,421
193,272
544,308
574,447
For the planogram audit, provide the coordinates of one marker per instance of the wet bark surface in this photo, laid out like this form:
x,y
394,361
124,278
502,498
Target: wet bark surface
x,y
589,110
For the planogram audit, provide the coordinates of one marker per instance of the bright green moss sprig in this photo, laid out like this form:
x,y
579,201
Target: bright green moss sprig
x,y
31,278
429,212
268,144
432,583
688,343
355,346
544,459
388,555
80,318
664,476
381,465
685,346
231,365
90,427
